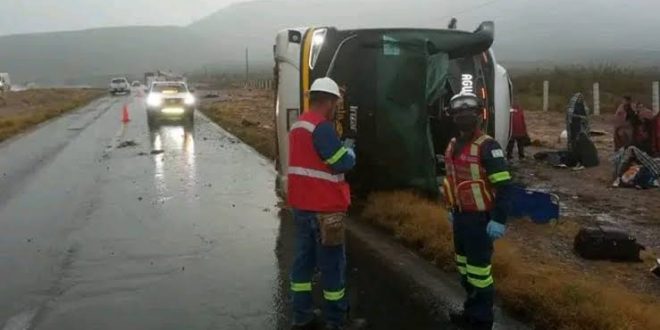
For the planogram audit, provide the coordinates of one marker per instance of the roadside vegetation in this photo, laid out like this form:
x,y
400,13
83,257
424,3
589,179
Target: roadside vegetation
x,y
22,110
614,81
546,291
550,289
248,115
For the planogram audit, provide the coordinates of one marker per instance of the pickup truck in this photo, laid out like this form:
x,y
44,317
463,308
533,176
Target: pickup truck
x,y
119,86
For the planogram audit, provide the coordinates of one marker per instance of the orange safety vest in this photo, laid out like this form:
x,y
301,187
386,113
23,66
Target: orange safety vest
x,y
466,186
312,184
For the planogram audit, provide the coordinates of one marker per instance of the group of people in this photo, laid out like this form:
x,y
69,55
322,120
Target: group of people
x,y
635,143
633,126
320,197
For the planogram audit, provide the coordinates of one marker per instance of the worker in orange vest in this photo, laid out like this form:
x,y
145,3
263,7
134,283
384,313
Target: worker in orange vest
x,y
319,196
476,189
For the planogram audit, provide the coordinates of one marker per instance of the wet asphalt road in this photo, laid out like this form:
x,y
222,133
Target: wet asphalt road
x,y
97,236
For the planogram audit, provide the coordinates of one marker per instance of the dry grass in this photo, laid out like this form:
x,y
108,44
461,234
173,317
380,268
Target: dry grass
x,y
546,291
566,81
248,115
535,284
22,110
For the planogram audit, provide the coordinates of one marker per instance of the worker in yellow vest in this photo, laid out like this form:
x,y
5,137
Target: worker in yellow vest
x,y
476,190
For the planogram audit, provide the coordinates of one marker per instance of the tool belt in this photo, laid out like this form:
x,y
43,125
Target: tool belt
x,y
332,227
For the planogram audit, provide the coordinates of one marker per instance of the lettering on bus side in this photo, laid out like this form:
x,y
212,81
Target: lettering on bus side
x,y
467,84
352,118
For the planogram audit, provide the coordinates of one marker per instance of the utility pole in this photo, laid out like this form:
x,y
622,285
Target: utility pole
x,y
596,99
546,95
247,67
656,97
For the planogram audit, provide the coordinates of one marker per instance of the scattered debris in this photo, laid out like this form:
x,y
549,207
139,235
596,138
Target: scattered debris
x,y
142,153
233,205
209,185
29,240
140,198
126,144
183,268
249,123
266,209
656,269
157,152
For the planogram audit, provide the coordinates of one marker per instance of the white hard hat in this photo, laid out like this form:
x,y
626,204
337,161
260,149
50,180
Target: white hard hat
x,y
465,101
325,85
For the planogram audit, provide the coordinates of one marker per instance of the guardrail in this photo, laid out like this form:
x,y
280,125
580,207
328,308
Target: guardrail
x,y
265,84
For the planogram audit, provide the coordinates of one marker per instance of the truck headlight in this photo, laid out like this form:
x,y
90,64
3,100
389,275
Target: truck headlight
x,y
154,100
189,99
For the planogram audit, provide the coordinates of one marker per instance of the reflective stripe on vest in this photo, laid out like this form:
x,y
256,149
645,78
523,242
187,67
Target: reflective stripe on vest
x,y
478,196
304,125
308,172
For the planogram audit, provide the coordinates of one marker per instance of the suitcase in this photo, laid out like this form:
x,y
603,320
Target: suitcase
x,y
541,207
606,243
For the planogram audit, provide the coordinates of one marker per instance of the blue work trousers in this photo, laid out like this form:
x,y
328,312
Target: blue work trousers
x,y
474,250
310,254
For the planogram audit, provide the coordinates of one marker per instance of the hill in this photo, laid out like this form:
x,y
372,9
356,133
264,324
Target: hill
x,y
91,55
536,33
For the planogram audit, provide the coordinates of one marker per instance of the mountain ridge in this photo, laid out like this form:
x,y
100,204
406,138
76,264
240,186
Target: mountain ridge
x,y
219,39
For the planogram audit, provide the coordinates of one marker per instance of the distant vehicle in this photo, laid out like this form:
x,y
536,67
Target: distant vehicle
x,y
136,83
149,77
5,82
119,86
170,100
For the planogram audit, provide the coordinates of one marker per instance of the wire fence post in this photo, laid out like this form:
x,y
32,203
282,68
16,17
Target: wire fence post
x,y
546,95
597,99
656,97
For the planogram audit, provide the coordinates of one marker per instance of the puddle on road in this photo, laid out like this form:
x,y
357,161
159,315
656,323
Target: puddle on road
x,y
370,293
173,151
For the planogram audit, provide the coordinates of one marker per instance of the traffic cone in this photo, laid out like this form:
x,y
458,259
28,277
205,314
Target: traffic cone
x,y
124,115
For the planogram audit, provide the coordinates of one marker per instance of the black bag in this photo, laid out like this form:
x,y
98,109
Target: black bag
x,y
606,243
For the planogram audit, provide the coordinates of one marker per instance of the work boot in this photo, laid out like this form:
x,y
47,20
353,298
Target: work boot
x,y
314,324
354,324
461,320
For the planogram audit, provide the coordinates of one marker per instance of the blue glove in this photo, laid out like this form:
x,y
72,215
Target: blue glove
x,y
352,153
349,143
495,230
450,217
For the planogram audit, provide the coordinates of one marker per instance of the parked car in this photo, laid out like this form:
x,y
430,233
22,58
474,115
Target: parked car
x,y
5,82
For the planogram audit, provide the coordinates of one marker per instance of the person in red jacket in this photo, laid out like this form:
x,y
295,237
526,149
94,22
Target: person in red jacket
x,y
518,133
319,196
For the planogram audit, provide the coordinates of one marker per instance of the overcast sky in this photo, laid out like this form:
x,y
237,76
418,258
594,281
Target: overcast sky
x,y
24,16
604,23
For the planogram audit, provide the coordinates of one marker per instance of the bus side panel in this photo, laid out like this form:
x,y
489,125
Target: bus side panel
x,y
287,106
502,106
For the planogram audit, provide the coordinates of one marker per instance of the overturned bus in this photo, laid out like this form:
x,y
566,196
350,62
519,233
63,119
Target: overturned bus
x,y
396,85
